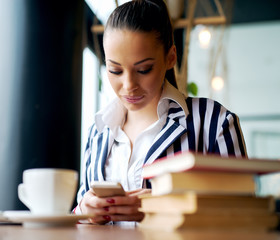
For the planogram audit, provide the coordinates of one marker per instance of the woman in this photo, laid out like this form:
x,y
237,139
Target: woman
x,y
150,118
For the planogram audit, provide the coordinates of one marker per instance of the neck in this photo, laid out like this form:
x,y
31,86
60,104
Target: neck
x,y
143,117
137,121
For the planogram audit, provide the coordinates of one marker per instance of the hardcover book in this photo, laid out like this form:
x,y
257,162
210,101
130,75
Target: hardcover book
x,y
187,161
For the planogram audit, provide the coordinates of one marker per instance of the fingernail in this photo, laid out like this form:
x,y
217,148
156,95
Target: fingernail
x,y
106,209
107,218
110,200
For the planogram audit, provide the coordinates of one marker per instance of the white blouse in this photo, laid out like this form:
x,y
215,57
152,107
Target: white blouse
x,y
124,164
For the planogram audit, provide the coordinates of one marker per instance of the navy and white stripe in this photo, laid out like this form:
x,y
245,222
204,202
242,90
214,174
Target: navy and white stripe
x,y
208,128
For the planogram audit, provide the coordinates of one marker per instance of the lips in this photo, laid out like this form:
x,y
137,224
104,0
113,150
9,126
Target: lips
x,y
133,99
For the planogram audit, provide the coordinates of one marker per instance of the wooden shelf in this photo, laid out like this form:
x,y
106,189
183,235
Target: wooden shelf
x,y
183,22
180,23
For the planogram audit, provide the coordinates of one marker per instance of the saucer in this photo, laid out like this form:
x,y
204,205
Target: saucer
x,y
34,221
3,219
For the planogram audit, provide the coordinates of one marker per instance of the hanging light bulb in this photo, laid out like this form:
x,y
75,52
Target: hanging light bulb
x,y
217,83
204,37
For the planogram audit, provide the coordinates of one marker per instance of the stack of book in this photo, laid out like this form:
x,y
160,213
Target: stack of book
x,y
194,191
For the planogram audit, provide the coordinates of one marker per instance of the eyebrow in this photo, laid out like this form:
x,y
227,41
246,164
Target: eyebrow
x,y
137,63
114,62
144,60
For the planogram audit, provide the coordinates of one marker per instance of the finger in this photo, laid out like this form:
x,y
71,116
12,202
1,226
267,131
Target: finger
x,y
134,191
140,192
128,200
123,210
103,219
96,211
132,217
96,202
91,204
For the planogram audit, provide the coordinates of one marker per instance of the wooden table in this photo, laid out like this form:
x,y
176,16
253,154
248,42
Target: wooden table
x,y
91,232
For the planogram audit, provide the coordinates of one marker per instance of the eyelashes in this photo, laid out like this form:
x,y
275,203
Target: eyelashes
x,y
115,72
146,71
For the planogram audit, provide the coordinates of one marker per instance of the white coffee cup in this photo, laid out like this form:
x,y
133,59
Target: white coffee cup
x,y
48,191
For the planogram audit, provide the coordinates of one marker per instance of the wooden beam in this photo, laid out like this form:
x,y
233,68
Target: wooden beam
x,y
183,71
184,22
97,28
180,23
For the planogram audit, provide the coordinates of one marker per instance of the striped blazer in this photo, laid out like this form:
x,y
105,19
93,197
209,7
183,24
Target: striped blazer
x,y
208,128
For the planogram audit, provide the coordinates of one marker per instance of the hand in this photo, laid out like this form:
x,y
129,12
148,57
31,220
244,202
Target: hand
x,y
113,208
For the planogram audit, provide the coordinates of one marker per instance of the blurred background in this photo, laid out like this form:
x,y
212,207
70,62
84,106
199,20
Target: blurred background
x,y
53,80
235,62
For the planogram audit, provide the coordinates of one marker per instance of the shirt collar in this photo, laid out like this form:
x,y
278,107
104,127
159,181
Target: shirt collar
x,y
171,93
113,115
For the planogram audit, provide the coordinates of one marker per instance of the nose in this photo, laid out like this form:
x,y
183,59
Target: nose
x,y
130,82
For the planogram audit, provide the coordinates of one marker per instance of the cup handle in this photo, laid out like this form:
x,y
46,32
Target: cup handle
x,y
22,194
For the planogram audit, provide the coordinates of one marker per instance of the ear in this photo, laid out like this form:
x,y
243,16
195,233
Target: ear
x,y
171,57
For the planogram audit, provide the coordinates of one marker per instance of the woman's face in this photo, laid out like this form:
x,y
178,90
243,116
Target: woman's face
x,y
136,66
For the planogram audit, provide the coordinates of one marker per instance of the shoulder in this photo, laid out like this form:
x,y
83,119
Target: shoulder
x,y
92,132
97,138
196,102
195,106
203,105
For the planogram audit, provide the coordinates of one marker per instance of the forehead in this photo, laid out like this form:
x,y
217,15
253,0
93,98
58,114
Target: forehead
x,y
131,40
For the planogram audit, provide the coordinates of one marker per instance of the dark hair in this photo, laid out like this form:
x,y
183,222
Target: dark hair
x,y
146,16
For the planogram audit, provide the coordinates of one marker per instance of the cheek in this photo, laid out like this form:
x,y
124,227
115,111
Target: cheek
x,y
114,83
156,81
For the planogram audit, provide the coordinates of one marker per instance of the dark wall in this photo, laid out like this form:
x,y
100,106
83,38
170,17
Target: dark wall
x,y
246,11
41,77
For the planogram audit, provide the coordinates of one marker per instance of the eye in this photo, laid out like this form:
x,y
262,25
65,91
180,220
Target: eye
x,y
115,72
145,71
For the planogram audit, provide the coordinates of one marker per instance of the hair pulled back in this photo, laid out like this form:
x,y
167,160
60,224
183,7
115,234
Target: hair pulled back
x,y
146,16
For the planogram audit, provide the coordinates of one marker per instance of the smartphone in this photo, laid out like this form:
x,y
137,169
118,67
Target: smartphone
x,y
107,189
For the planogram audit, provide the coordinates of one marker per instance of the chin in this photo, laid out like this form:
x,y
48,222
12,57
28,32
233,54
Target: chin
x,y
134,107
